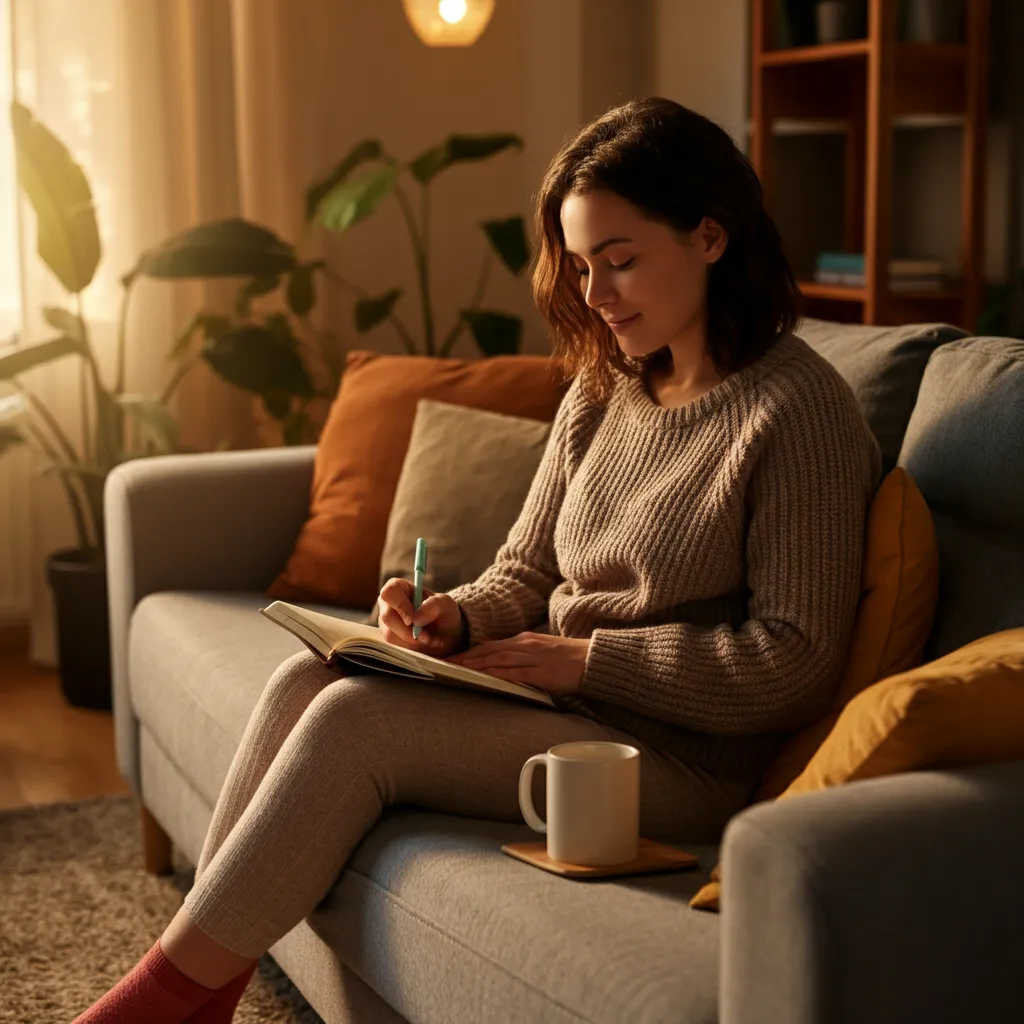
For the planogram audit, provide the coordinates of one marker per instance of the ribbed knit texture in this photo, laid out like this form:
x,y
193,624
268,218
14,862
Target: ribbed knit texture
x,y
711,553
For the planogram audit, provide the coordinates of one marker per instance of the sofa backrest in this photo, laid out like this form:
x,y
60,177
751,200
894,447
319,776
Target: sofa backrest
x,y
883,366
964,448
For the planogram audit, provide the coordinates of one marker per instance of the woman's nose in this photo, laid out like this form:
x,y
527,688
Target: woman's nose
x,y
599,291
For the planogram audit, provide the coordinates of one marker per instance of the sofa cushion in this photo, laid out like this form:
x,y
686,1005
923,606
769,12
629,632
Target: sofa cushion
x,y
197,664
965,450
446,927
336,556
883,366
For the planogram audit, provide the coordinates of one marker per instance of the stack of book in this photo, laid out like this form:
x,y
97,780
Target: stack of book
x,y
904,275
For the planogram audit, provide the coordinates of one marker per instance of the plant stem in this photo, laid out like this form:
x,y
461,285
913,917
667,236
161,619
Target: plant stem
x,y
106,430
422,272
179,374
478,294
364,294
62,438
81,526
122,333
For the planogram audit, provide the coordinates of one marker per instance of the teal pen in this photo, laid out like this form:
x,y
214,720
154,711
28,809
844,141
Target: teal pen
x,y
421,568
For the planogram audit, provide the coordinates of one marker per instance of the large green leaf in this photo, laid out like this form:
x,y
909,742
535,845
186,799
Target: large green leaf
x,y
349,202
155,421
223,248
68,238
24,359
370,312
256,359
368,149
458,148
497,334
509,240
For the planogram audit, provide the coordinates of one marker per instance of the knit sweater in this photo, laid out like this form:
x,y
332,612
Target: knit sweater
x,y
711,553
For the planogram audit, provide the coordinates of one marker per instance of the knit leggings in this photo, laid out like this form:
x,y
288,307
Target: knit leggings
x,y
323,755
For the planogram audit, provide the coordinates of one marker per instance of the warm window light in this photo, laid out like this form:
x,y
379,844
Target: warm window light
x,y
448,22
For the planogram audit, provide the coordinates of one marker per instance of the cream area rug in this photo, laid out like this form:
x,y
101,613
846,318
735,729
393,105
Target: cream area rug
x,y
77,911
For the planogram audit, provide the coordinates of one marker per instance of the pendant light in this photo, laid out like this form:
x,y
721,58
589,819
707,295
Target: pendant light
x,y
448,22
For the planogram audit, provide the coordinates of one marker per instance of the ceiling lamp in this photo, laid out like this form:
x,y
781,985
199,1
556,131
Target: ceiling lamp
x,y
448,22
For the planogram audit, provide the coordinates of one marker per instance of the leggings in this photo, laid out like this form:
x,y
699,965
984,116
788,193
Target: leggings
x,y
324,753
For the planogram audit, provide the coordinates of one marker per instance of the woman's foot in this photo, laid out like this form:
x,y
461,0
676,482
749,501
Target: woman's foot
x,y
154,990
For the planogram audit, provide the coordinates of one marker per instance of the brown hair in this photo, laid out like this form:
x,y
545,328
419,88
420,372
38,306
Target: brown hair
x,y
676,167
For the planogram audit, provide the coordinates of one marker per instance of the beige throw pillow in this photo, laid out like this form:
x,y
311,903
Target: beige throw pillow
x,y
462,486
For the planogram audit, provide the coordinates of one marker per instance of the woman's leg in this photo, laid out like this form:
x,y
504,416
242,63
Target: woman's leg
x,y
291,689
366,742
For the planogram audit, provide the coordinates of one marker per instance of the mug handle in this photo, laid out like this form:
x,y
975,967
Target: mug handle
x,y
533,819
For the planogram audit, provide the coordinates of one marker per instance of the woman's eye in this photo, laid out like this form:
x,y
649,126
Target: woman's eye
x,y
624,266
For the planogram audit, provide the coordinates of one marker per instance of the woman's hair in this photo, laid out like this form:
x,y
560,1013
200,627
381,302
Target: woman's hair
x,y
676,167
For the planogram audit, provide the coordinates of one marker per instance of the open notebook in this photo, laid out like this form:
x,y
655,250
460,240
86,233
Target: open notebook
x,y
335,641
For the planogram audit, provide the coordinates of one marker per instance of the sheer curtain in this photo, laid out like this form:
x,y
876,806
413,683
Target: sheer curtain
x,y
142,92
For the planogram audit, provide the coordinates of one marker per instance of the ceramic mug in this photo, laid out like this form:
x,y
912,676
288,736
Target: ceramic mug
x,y
593,802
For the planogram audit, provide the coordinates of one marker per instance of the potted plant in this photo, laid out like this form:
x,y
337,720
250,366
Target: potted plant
x,y
120,425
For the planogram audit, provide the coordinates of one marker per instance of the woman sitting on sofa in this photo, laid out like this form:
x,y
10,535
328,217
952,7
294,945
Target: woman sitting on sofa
x,y
683,576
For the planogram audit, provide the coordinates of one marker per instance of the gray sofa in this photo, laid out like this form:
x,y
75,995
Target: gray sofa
x,y
896,899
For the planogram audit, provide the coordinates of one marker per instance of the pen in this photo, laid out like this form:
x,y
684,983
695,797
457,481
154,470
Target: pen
x,y
421,568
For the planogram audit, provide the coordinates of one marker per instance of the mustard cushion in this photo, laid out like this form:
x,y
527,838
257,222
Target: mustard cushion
x,y
966,707
899,592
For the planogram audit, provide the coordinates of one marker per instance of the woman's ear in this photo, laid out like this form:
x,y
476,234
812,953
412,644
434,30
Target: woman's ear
x,y
714,238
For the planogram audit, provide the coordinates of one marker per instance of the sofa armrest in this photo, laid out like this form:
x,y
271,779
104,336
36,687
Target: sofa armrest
x,y
898,899
204,521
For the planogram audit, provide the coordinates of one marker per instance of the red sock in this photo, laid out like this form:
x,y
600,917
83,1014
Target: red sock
x,y
221,1008
154,990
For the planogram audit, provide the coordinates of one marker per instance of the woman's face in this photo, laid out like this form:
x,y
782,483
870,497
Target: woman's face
x,y
645,279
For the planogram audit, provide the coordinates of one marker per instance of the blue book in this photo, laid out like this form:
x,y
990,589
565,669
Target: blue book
x,y
841,262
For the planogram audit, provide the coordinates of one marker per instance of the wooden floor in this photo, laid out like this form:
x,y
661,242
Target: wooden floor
x,y
50,751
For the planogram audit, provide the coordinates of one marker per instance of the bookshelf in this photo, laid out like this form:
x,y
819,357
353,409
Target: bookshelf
x,y
866,89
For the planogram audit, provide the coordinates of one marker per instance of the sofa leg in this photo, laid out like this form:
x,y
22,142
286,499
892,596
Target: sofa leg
x,y
156,845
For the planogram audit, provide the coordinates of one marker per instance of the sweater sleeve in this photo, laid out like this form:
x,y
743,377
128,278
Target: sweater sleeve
x,y
511,595
807,499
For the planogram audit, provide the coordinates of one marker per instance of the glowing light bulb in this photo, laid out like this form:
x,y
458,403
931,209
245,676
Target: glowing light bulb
x,y
453,11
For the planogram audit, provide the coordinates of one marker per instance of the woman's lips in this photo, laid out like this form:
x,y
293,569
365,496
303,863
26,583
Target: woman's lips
x,y
622,325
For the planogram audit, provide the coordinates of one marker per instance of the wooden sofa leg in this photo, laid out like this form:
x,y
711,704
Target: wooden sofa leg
x,y
156,845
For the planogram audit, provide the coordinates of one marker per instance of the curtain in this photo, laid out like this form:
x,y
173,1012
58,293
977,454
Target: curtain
x,y
155,99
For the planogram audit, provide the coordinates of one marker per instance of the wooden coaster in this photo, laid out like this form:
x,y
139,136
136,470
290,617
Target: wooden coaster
x,y
651,856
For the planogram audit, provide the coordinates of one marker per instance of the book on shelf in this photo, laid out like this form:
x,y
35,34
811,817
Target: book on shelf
x,y
854,263
344,644
897,283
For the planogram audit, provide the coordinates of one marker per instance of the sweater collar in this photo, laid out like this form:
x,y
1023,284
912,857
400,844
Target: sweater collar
x,y
642,407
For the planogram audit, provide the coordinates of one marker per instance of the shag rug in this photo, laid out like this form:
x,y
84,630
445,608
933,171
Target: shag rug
x,y
78,911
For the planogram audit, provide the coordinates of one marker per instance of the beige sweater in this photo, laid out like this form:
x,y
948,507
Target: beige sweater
x,y
711,553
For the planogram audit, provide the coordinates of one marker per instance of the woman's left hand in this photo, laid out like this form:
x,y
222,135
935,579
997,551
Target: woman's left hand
x,y
552,663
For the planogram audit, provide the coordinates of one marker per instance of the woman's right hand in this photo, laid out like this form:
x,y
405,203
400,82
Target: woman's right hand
x,y
439,615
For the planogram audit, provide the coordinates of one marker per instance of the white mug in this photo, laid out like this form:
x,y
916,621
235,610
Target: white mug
x,y
593,802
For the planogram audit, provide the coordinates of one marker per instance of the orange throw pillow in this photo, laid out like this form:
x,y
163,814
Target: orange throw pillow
x,y
336,558
899,592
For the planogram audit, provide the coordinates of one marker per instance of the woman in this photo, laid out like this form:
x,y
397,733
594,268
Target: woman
x,y
683,576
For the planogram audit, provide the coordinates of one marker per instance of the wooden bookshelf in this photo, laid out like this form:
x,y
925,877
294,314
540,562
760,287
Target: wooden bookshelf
x,y
866,89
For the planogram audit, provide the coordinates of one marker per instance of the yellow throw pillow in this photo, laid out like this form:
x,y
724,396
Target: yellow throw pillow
x,y
899,592
966,707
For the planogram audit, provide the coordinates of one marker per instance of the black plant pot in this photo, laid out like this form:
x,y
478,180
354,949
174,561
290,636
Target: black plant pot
x,y
78,577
